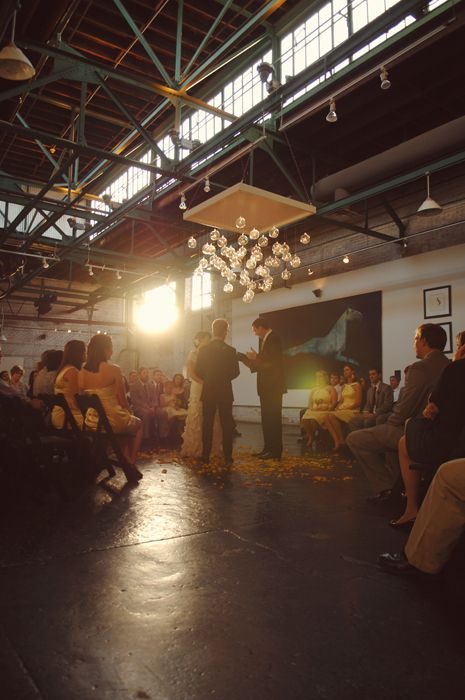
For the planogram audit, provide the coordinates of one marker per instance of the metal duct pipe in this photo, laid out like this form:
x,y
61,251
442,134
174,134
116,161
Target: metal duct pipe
x,y
410,154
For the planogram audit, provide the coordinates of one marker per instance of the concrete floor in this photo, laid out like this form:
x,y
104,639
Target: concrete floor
x,y
256,584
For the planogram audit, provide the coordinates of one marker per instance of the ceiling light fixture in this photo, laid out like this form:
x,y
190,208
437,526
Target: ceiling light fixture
x,y
346,259
317,293
206,184
429,207
45,264
182,203
383,76
91,272
118,275
14,64
265,71
331,117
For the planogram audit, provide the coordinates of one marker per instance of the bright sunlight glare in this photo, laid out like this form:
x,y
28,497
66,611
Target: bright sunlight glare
x,y
158,311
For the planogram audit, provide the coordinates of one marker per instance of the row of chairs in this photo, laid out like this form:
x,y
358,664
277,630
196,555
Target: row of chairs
x,y
63,459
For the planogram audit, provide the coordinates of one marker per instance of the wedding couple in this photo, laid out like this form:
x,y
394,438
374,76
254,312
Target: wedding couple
x,y
211,366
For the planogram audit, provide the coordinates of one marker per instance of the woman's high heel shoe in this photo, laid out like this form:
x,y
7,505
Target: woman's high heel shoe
x,y
403,525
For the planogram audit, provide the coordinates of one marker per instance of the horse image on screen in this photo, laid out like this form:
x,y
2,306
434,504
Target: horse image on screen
x,y
328,335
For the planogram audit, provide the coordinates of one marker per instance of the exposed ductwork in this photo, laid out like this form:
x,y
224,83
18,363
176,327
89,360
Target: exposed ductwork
x,y
410,154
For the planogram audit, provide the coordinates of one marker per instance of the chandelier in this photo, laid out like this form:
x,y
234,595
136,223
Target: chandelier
x,y
252,260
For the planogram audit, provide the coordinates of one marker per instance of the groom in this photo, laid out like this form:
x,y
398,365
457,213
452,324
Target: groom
x,y
217,365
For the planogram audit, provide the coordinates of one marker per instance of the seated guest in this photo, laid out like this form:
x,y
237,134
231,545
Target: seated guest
x,y
145,404
99,376
376,448
159,380
44,381
5,377
177,415
16,383
438,527
67,383
334,381
378,403
322,399
433,438
345,410
394,381
179,389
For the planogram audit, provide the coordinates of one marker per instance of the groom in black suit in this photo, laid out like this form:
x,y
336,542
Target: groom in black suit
x,y
217,365
271,385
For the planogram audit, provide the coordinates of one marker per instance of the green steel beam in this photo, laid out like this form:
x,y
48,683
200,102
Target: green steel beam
x,y
268,7
206,38
44,150
285,171
144,43
138,127
357,229
177,63
394,215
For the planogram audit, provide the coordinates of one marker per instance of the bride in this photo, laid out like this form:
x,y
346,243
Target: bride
x,y
192,435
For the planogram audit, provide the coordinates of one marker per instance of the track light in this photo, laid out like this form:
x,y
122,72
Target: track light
x,y
345,259
14,64
182,203
91,272
310,272
118,275
206,184
264,70
383,76
331,117
429,207
45,263
106,199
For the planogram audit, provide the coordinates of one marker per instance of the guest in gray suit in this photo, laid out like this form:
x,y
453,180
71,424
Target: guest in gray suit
x,y
145,402
376,448
378,404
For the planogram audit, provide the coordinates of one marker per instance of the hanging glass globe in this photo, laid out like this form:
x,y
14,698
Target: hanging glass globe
x,y
203,263
274,233
263,241
286,256
285,274
294,261
248,296
285,246
276,262
268,284
192,243
252,285
241,252
268,261
227,252
277,248
256,254
208,249
240,222
261,271
305,238
309,272
221,242
254,234
243,239
228,288
251,264
215,234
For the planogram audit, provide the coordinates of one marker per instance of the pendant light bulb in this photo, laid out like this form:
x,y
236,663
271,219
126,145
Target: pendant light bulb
x,y
331,117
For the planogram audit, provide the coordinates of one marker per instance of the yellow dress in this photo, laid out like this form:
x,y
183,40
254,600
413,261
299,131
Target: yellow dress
x,y
120,419
349,406
322,398
62,387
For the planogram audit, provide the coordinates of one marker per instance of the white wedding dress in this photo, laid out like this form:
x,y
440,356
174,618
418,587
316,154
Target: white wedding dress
x,y
192,435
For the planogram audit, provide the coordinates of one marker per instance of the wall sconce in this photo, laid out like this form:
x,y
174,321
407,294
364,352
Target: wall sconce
x,y
317,293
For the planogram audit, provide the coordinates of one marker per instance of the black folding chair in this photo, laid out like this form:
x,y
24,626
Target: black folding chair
x,y
105,438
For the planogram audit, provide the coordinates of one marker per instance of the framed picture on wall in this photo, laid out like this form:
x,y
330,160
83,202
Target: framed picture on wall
x,y
437,302
448,328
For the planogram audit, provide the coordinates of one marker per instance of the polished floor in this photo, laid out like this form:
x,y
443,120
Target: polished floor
x,y
257,583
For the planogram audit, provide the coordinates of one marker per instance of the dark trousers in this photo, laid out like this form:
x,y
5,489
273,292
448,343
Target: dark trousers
x,y
226,420
271,408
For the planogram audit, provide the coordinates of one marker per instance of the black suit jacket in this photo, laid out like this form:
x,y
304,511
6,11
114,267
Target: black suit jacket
x,y
217,365
269,367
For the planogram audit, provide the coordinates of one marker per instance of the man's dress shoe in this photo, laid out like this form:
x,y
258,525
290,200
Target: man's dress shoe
x,y
380,497
268,455
260,454
396,564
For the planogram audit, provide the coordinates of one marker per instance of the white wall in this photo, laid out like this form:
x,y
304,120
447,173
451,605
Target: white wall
x,y
401,282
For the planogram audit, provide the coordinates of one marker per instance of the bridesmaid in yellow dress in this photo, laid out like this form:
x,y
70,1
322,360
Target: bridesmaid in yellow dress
x,y
99,376
322,399
66,382
347,408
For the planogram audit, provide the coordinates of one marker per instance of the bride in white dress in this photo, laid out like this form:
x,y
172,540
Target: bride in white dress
x,y
192,435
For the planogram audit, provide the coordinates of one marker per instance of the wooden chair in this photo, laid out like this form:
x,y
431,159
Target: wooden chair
x,y
106,439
